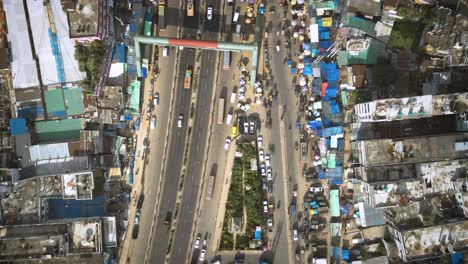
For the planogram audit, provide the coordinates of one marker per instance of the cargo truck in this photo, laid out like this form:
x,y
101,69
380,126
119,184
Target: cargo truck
x,y
209,190
220,110
190,8
162,16
188,79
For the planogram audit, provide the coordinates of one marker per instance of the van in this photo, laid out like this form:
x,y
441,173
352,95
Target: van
x,y
236,17
238,28
165,51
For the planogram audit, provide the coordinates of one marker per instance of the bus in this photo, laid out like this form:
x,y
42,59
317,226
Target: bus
x,y
190,8
227,60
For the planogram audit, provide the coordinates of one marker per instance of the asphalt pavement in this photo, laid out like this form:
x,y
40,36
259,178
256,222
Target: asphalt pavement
x,y
196,159
173,166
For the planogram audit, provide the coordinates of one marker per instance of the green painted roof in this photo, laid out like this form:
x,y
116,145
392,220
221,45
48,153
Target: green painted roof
x,y
134,92
54,101
327,5
74,101
367,56
342,58
360,23
344,99
60,130
334,203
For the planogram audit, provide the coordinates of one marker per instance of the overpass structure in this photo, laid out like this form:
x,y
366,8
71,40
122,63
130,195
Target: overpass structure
x,y
201,44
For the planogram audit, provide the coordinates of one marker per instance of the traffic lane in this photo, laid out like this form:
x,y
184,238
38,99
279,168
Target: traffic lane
x,y
154,158
195,160
174,159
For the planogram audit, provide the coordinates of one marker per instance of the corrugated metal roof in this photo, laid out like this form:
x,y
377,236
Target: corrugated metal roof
x,y
18,126
334,203
54,101
48,151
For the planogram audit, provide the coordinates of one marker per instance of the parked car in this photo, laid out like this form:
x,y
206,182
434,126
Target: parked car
x,y
197,241
153,122
135,231
265,206
316,189
251,127
259,141
295,237
261,155
141,199
246,127
269,174
202,255
227,143
209,12
263,169
267,160
156,99
180,120
137,218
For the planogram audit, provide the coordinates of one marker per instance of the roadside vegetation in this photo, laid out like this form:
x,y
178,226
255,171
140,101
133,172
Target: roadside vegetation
x,y
244,201
89,59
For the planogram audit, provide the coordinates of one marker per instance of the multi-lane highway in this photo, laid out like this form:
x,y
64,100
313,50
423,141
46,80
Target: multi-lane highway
x,y
192,174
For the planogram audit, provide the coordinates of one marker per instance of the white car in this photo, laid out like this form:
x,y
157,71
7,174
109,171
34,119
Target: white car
x,y
316,189
246,127
259,141
295,237
270,222
153,122
197,242
252,128
261,155
209,13
269,174
265,206
226,144
180,121
267,160
156,99
202,255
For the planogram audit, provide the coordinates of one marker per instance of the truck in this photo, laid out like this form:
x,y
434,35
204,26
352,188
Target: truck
x,y
228,119
162,16
188,79
190,8
144,68
209,190
228,22
220,110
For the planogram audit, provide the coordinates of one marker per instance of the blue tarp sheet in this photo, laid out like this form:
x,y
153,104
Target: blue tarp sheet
x,y
334,107
325,44
345,254
344,209
335,252
306,46
307,71
333,131
324,35
70,208
119,53
307,60
331,92
457,258
18,126
32,112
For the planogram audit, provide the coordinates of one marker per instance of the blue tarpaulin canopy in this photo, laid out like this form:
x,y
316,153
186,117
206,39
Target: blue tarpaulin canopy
x,y
307,71
18,126
345,254
306,46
